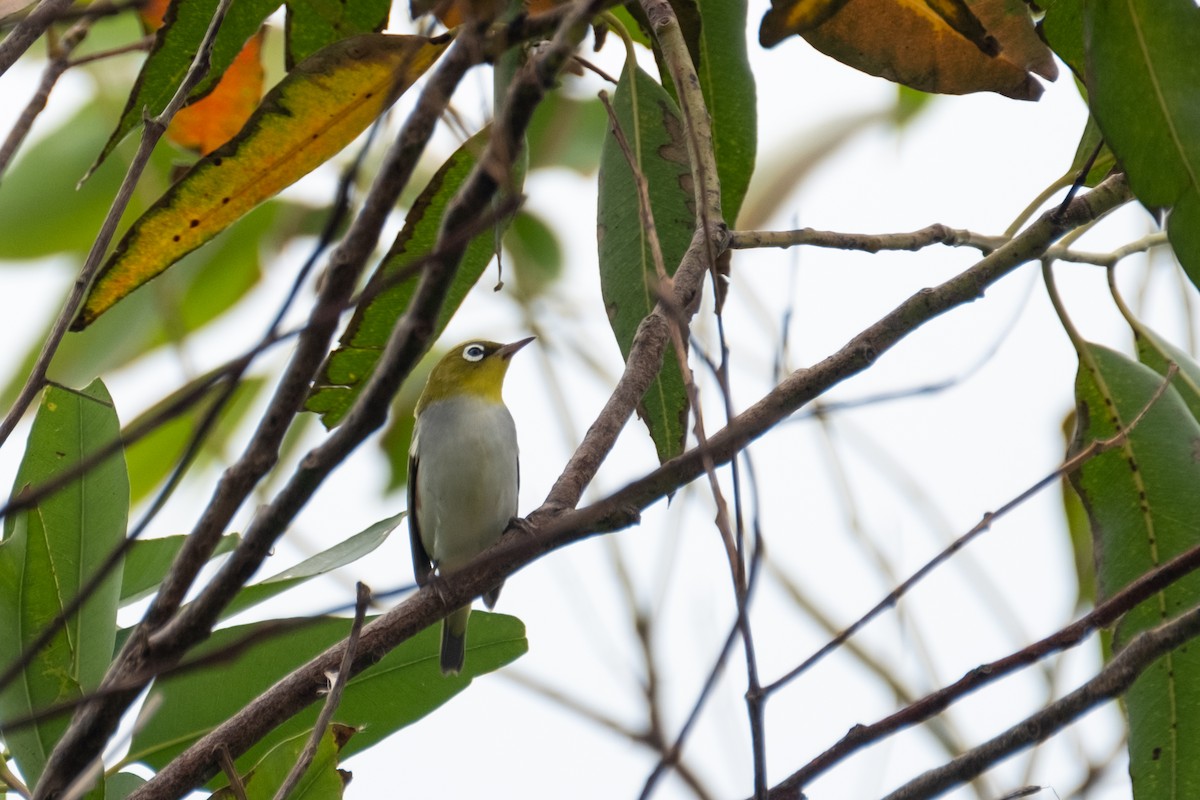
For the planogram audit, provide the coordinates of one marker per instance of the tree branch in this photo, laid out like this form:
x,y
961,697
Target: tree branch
x,y
28,30
1112,681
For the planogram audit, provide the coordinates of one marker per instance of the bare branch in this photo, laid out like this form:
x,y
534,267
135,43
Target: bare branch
x,y
1112,681
1104,614
332,700
926,237
1070,465
28,30
60,60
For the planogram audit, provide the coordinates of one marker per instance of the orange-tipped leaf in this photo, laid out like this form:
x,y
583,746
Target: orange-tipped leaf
x,y
319,108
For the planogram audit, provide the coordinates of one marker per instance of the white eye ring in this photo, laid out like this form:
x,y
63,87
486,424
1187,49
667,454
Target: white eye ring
x,y
474,352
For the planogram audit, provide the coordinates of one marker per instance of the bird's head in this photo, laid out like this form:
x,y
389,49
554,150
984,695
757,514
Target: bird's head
x,y
472,368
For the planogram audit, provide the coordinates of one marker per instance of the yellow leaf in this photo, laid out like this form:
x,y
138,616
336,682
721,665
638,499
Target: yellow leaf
x,y
314,112
946,46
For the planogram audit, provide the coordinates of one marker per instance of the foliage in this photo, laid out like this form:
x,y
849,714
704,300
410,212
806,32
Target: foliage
x,y
673,148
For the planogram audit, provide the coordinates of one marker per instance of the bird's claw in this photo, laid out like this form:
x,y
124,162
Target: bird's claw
x,y
520,525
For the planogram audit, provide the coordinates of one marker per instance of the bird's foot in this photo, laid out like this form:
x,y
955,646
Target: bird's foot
x,y
435,583
520,525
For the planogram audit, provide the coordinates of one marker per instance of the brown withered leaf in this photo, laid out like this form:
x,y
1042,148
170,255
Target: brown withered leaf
x,y
944,46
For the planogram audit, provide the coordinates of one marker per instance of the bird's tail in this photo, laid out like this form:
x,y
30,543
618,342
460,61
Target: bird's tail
x,y
454,641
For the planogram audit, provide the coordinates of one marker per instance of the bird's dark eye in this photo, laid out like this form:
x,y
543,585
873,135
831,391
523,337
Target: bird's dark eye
x,y
474,352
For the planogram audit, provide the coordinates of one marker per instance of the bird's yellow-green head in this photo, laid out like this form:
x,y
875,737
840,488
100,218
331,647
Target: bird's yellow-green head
x,y
474,368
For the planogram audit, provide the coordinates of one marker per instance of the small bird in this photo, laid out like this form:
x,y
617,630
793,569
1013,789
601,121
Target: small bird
x,y
462,473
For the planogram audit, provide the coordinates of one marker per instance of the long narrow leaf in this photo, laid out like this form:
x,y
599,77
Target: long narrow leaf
x,y
49,552
1142,74
1142,503
341,554
628,276
318,109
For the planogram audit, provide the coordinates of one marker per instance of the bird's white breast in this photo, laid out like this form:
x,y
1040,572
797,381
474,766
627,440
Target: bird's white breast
x,y
466,479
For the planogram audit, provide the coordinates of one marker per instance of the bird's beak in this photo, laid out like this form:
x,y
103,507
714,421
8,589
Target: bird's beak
x,y
506,352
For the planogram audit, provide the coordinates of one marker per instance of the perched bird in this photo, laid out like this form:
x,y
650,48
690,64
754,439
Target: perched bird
x,y
462,473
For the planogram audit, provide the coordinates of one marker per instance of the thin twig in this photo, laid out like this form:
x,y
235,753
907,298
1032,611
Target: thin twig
x,y
26,32
866,242
152,131
1104,614
926,237
141,45
332,700
1112,681
60,55
10,782
229,768
1086,454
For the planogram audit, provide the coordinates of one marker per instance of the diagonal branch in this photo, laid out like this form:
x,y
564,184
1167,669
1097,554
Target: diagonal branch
x,y
1112,681
28,30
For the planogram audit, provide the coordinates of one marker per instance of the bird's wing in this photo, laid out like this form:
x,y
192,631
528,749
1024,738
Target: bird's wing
x,y
422,564
490,597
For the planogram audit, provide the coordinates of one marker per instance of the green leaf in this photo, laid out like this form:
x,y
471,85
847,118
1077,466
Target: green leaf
x,y
729,92
628,278
537,256
148,560
390,288
1143,505
313,24
1142,74
321,780
45,177
174,48
1062,29
341,554
567,132
1157,353
156,455
121,785
1080,532
49,552
404,686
